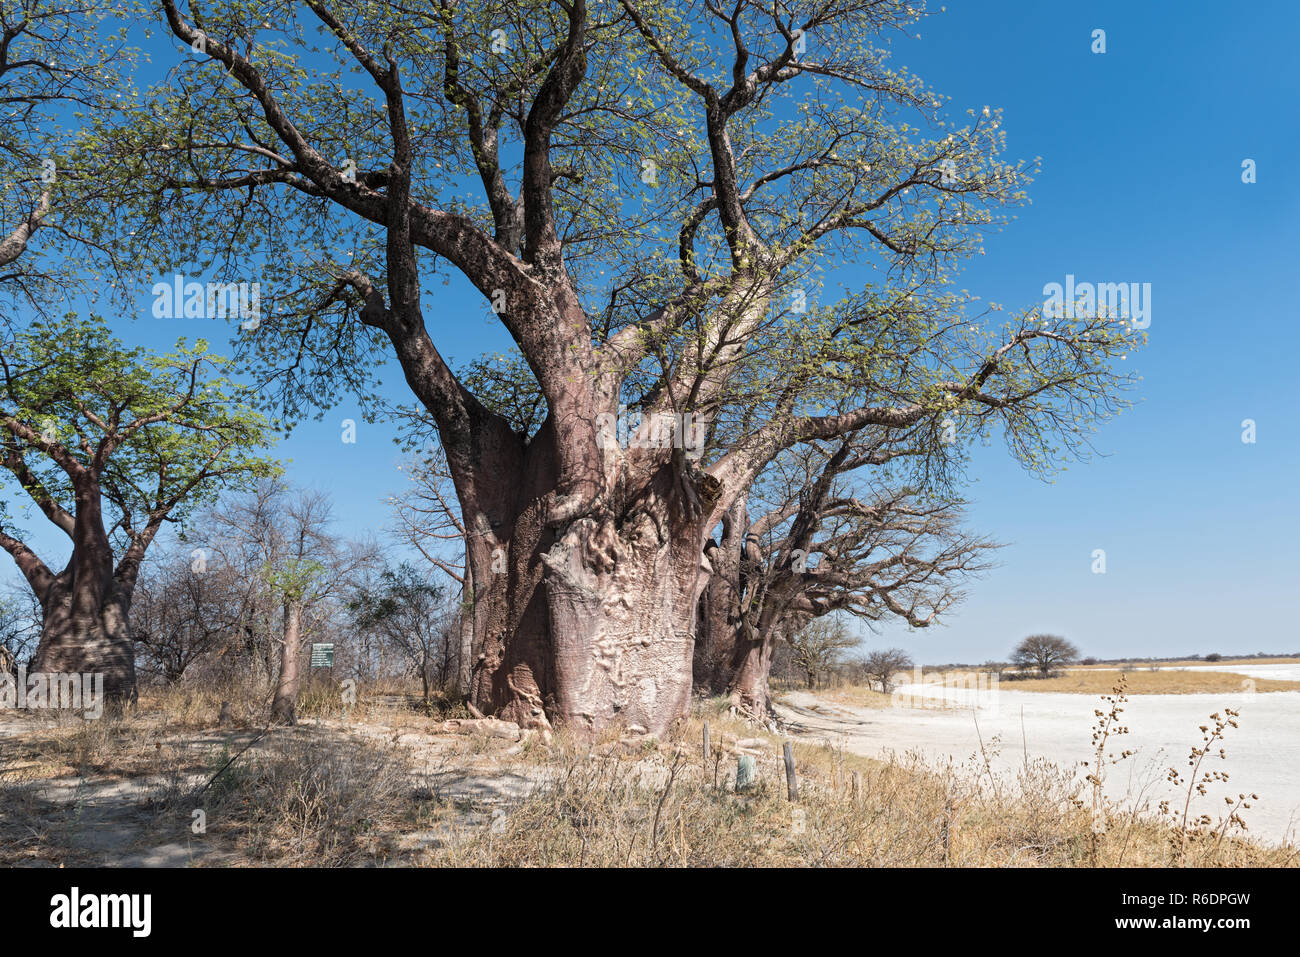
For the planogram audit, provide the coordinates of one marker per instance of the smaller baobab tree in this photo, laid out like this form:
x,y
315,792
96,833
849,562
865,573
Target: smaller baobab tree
x,y
1044,653
294,583
824,540
110,444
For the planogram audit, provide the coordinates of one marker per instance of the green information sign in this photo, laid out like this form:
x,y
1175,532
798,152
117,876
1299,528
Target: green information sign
x,y
322,655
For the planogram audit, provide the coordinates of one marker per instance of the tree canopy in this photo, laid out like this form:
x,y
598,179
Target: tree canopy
x,y
156,435
657,202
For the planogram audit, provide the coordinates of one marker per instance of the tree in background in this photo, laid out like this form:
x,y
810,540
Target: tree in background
x,y
819,646
109,444
412,613
217,599
995,668
20,621
280,540
428,519
824,538
185,612
1046,653
883,664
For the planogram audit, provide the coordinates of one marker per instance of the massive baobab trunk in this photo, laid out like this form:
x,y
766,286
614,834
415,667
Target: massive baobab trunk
x,y
86,607
590,623
621,604
85,630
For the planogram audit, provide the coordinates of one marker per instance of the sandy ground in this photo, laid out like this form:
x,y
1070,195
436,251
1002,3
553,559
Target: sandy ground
x,y
1263,754
103,818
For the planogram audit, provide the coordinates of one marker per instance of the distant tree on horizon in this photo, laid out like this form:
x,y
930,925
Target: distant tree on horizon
x,y
1046,653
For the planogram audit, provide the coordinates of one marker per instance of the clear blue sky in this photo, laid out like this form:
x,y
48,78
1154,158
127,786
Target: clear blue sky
x,y
1141,182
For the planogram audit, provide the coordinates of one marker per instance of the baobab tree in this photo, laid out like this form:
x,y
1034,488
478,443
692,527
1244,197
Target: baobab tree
x,y
823,540
656,190
110,444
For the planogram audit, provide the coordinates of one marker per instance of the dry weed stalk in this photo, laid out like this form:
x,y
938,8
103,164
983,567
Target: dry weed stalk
x,y
1197,782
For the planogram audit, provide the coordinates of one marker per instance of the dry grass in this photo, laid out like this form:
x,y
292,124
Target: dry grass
x,y
858,696
198,706
349,793
307,801
671,809
1085,681
1191,663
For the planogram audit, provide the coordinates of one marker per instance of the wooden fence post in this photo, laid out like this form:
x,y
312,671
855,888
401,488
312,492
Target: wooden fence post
x,y
706,745
791,785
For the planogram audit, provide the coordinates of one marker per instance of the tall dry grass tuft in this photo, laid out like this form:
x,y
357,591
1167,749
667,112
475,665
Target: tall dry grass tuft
x,y
301,801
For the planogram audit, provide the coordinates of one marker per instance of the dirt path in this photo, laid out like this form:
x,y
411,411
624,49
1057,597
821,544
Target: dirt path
x,y
108,814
